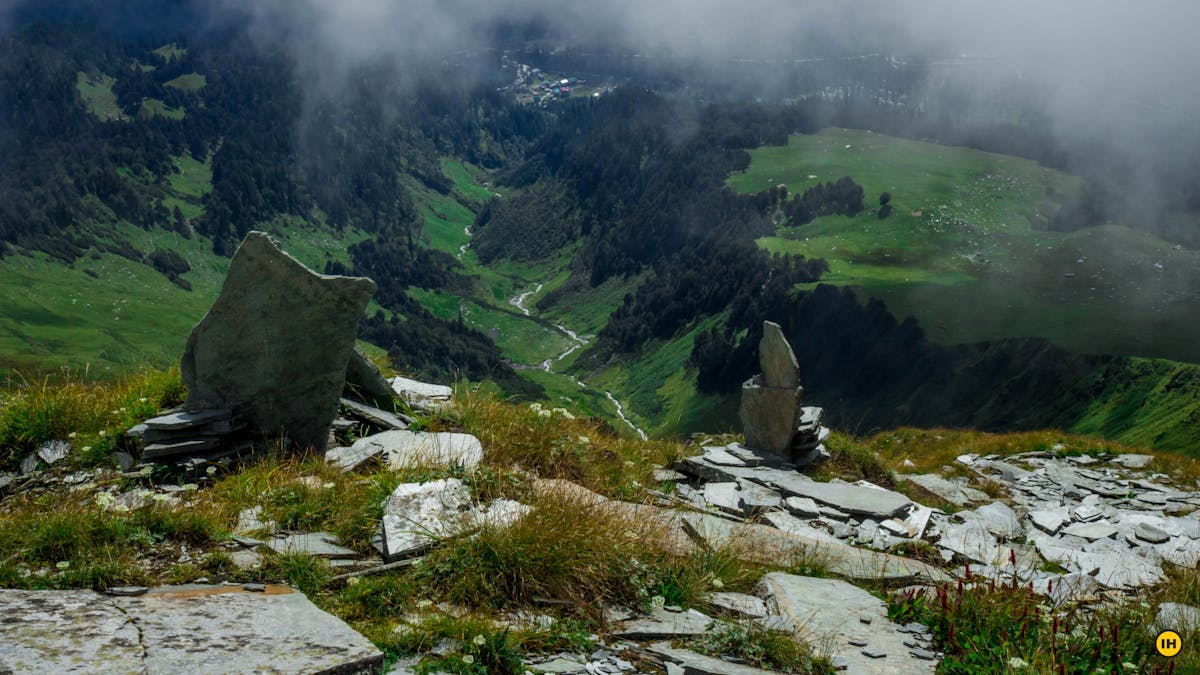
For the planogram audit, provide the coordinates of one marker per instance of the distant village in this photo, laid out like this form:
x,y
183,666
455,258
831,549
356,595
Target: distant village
x,y
533,86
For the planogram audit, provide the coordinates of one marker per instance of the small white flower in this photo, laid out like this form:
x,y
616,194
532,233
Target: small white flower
x,y
212,471
103,500
425,604
468,659
480,640
565,413
191,487
585,440
543,413
1129,666
146,470
103,433
628,463
143,399
160,498
120,508
1018,663
717,583
658,602
353,581
63,564
535,406
329,486
86,448
71,435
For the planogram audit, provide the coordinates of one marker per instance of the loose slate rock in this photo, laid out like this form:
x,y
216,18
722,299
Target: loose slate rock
x,y
691,663
276,344
662,624
776,360
853,499
828,611
416,515
203,629
738,603
316,544
414,449
66,631
421,395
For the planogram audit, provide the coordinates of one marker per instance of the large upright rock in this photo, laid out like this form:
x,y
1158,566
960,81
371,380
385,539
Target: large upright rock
x,y
275,345
776,359
770,409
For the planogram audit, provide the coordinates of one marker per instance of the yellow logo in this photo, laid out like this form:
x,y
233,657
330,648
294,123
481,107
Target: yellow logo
x,y
1168,643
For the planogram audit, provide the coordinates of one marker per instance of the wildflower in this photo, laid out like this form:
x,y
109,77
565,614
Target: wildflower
x,y
543,413
1018,663
717,583
328,486
480,640
212,471
103,433
160,497
628,463
564,412
71,435
104,500
585,440
86,448
468,659
658,602
143,399
63,564
1129,666
190,487
536,407
353,581
425,604
146,470
120,508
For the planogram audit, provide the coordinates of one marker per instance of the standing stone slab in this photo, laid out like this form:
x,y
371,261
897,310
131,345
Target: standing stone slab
x,y
66,631
829,614
769,416
223,629
776,359
276,344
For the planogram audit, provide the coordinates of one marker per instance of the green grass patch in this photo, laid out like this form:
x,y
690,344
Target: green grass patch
x,y
965,251
152,107
519,338
170,52
191,82
97,95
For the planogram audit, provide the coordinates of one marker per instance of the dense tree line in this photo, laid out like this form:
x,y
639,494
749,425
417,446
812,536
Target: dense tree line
x,y
842,197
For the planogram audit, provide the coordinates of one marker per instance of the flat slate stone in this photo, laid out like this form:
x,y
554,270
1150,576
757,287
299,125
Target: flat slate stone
x,y
828,612
1050,520
209,629
1178,617
998,518
421,395
374,415
854,499
738,603
275,344
415,449
316,544
959,495
691,663
180,421
802,506
1092,531
349,459
66,631
722,457
1151,534
663,624
971,540
724,496
1132,461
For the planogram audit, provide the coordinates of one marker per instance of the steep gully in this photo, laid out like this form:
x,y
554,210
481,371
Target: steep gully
x,y
577,342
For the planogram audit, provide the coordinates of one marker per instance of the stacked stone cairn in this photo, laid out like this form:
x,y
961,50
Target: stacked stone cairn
x,y
773,417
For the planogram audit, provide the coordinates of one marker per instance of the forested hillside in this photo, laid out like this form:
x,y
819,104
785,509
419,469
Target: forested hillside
x,y
615,251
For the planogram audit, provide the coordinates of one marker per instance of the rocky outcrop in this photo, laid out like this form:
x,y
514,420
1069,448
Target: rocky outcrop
x,y
275,346
773,419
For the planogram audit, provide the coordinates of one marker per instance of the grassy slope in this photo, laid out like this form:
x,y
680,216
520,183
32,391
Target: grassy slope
x,y
128,315
188,82
97,95
962,253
